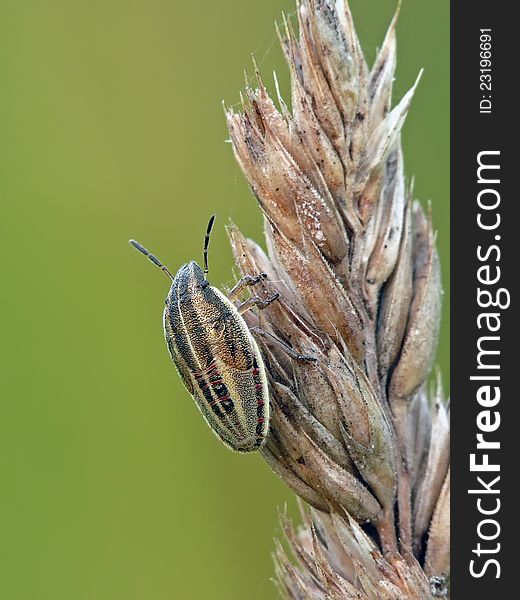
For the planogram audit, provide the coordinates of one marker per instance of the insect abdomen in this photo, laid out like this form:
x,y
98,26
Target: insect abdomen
x,y
235,405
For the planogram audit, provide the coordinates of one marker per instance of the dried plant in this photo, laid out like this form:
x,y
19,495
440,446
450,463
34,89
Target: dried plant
x,y
357,433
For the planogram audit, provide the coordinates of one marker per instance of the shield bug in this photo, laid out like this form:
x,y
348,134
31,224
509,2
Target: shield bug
x,y
214,352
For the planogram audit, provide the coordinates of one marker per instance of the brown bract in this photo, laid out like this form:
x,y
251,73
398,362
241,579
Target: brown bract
x,y
356,433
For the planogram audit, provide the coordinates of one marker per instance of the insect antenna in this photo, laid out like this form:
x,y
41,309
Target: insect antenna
x,y
151,257
206,244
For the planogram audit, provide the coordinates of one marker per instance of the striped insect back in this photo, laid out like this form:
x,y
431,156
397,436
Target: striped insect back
x,y
215,354
218,359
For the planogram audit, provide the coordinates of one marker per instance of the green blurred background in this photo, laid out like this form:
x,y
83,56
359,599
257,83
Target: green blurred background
x,y
111,125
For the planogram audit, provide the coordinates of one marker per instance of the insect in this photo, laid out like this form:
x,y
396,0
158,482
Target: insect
x,y
214,352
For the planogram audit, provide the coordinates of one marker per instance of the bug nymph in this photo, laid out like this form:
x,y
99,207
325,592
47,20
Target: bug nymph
x,y
214,352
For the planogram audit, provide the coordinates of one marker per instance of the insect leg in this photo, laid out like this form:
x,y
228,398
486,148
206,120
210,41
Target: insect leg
x,y
278,342
247,281
256,301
